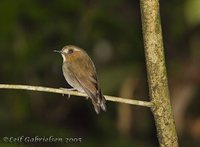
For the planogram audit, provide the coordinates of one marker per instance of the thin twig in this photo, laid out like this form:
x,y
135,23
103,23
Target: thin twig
x,y
61,91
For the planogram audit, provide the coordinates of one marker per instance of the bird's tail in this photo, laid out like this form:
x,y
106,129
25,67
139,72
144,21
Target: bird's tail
x,y
101,104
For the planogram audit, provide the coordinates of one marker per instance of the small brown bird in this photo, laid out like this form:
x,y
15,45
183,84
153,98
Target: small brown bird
x,y
79,71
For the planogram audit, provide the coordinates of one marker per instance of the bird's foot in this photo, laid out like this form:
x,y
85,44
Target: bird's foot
x,y
69,89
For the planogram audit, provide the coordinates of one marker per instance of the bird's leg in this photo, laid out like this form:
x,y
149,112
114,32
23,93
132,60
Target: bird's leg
x,y
70,89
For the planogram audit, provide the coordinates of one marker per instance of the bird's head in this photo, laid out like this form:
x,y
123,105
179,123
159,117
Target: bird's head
x,y
70,53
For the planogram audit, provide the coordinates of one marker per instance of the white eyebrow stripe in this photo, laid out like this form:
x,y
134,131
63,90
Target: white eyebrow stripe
x,y
65,51
76,49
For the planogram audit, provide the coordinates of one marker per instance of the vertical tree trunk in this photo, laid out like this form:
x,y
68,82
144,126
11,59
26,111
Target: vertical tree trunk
x,y
156,72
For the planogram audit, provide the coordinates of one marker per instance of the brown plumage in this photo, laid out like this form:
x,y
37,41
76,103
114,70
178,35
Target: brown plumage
x,y
79,71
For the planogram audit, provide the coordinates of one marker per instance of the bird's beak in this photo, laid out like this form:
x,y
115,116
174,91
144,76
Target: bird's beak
x,y
58,51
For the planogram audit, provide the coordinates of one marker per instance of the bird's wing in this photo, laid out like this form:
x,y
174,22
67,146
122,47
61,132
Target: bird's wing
x,y
86,77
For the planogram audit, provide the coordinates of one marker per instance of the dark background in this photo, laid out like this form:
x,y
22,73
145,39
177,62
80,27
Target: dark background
x,y
111,33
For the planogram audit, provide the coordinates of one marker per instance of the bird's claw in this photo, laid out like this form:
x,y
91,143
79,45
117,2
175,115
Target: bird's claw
x,y
68,96
69,89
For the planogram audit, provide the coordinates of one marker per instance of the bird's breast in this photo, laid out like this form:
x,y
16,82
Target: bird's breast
x,y
70,78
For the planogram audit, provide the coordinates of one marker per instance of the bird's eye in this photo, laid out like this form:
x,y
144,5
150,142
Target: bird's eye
x,y
70,51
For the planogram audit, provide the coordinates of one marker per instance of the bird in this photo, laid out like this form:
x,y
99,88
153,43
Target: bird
x,y
80,73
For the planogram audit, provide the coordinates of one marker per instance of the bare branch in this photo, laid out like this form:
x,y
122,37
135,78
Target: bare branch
x,y
156,73
76,93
